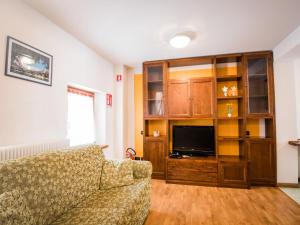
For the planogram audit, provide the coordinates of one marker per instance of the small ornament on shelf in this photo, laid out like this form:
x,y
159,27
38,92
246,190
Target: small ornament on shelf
x,y
234,91
229,109
156,133
225,90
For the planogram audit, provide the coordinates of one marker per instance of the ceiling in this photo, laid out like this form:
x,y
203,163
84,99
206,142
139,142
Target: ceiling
x,y
132,31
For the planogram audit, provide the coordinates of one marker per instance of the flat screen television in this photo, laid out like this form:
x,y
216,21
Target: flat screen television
x,y
194,140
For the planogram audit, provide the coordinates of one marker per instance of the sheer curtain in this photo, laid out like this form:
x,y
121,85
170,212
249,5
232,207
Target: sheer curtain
x,y
81,122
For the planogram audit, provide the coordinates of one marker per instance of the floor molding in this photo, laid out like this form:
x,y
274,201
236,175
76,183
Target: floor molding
x,y
289,185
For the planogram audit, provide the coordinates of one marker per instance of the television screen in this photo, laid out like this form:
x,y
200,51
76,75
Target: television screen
x,y
194,140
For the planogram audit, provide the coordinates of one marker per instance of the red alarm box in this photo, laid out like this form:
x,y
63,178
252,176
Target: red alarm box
x,y
119,77
109,99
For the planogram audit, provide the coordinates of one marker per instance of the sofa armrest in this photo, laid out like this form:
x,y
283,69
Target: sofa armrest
x,y
141,169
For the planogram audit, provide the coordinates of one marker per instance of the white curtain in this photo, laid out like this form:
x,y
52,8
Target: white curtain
x,y
81,122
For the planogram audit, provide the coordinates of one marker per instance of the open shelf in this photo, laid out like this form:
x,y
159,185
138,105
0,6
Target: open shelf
x,y
229,97
161,137
230,118
258,138
228,77
231,158
258,96
229,138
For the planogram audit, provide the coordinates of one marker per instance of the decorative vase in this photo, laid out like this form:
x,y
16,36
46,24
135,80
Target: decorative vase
x,y
229,110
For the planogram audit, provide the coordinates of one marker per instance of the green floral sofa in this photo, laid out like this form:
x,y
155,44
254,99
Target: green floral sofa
x,y
74,186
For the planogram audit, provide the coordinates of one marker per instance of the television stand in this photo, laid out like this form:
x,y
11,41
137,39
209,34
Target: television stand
x,y
224,171
196,170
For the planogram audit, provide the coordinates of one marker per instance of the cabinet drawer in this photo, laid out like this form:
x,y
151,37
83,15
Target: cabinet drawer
x,y
192,175
192,165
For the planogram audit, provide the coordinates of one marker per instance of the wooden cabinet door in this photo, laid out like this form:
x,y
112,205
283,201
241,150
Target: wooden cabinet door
x,y
202,97
262,162
154,89
179,98
154,151
259,85
233,174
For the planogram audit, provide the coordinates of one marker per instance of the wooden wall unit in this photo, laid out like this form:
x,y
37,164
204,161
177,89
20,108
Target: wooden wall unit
x,y
244,118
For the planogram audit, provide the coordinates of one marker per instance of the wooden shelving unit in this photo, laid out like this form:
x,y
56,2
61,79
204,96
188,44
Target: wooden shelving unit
x,y
243,119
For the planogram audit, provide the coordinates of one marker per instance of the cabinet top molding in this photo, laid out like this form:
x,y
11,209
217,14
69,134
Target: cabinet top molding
x,y
200,60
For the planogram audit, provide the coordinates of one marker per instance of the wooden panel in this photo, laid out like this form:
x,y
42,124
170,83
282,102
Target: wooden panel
x,y
154,151
192,175
193,165
192,171
178,98
262,158
202,97
233,174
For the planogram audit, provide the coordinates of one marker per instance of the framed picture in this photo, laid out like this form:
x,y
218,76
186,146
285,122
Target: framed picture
x,y
28,63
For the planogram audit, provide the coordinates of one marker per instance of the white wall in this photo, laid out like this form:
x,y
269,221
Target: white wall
x,y
287,94
297,82
130,108
286,115
118,100
297,91
31,112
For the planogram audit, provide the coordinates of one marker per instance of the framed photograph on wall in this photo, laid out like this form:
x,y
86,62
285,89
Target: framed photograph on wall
x,y
28,63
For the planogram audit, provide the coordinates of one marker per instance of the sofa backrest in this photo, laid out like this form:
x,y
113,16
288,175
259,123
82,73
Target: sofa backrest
x,y
54,182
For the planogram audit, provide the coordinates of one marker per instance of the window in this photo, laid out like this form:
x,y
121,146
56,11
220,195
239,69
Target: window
x,y
81,121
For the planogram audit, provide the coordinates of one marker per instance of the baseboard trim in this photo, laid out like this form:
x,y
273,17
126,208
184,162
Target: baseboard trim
x,y
290,185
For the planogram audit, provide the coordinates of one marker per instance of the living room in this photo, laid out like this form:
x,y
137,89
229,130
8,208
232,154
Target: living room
x,y
206,91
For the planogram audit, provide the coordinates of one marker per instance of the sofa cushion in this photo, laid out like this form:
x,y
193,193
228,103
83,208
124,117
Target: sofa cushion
x,y
14,209
114,206
54,182
116,174
141,169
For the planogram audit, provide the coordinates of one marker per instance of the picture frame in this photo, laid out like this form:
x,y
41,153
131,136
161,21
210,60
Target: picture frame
x,y
27,62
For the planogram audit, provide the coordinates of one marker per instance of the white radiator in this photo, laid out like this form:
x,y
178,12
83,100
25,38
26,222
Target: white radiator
x,y
18,151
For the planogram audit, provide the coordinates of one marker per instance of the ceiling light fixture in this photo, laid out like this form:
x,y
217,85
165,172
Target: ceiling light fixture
x,y
180,41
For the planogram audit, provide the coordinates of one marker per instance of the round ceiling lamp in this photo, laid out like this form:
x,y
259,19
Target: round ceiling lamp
x,y
180,41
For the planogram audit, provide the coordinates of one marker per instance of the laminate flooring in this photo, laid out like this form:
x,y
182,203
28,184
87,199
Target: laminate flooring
x,y
174,204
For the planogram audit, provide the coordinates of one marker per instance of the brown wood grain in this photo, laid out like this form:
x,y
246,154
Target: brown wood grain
x,y
174,204
262,166
179,98
155,152
202,96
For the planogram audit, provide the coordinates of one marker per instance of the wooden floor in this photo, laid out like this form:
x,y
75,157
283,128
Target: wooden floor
x,y
174,204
